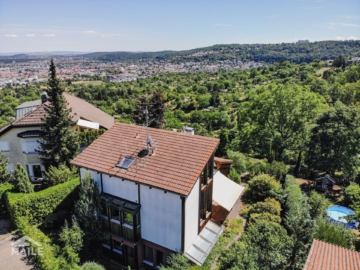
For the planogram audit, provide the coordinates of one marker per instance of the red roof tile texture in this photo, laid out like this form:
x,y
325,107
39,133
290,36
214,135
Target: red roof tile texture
x,y
79,109
325,256
176,164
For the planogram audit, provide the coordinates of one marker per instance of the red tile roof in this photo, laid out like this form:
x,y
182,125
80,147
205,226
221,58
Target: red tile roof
x,y
83,109
177,162
325,256
79,109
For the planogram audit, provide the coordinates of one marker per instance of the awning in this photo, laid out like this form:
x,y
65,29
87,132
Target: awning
x,y
225,191
87,124
204,243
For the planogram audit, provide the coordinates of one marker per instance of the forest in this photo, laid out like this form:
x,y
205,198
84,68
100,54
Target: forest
x,y
267,53
276,123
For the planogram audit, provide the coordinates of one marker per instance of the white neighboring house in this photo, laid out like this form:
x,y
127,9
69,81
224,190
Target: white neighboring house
x,y
19,139
157,193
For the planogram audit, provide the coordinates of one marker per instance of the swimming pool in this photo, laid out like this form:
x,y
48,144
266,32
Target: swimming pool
x,y
337,213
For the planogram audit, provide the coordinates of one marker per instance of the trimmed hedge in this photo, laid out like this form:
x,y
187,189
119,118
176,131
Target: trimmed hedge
x,y
39,205
3,189
292,190
47,260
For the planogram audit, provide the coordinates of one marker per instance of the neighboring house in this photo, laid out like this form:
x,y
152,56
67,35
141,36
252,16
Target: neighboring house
x,y
330,257
157,193
19,139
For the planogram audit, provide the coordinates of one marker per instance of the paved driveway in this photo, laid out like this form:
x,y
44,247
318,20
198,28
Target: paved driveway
x,y
9,260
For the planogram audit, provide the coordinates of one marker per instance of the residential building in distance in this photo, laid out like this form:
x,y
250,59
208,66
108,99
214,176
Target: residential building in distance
x,y
157,189
303,41
19,139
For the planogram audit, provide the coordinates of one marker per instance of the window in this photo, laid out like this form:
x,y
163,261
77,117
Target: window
x,y
148,254
118,246
126,162
128,218
29,147
10,167
115,213
107,242
160,258
29,134
4,146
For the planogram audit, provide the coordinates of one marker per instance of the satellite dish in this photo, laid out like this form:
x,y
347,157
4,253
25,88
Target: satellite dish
x,y
149,141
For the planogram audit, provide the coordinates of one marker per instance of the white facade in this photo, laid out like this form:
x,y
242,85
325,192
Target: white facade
x,y
123,189
160,214
94,175
192,215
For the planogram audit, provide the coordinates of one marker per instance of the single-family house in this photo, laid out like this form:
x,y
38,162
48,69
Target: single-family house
x,y
157,193
19,139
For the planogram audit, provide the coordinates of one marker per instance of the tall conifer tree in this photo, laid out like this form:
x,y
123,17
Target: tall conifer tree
x,y
22,181
59,143
4,176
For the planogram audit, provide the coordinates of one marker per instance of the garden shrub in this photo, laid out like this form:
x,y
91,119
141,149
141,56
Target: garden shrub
x,y
264,216
292,190
37,206
92,266
3,189
257,166
270,205
47,255
61,174
261,187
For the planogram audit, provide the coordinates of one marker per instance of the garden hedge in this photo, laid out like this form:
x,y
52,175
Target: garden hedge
x,y
39,205
3,189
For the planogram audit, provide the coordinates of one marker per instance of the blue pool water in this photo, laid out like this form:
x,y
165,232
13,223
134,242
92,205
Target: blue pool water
x,y
337,213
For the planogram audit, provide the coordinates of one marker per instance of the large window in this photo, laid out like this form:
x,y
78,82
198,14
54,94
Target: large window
x,y
29,147
4,146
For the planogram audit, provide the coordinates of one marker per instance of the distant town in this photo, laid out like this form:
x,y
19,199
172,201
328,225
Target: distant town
x,y
19,73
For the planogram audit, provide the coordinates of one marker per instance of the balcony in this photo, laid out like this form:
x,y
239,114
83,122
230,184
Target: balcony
x,y
122,219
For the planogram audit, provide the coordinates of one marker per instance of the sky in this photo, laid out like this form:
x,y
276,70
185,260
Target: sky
x,y
155,25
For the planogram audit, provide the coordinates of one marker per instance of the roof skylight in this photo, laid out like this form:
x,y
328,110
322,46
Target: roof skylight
x,y
126,162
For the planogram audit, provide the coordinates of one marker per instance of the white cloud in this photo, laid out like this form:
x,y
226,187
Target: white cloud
x,y
224,25
349,38
349,25
49,35
353,17
11,35
107,35
30,35
90,32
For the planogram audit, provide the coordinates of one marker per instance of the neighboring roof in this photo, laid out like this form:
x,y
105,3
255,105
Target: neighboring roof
x,y
175,166
200,249
223,160
83,109
79,109
225,191
330,257
29,104
325,177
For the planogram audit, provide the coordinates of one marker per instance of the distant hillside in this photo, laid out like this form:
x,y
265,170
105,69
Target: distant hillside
x,y
269,53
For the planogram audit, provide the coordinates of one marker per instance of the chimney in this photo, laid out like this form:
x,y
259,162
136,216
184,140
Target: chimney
x,y
44,97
